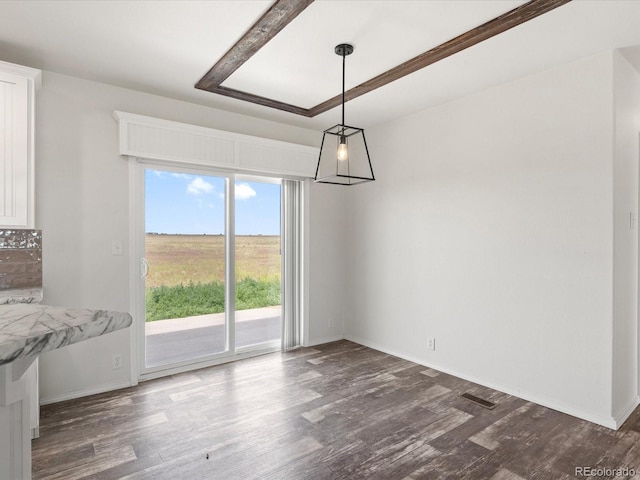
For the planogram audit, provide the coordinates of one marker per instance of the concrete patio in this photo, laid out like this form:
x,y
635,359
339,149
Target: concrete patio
x,y
179,339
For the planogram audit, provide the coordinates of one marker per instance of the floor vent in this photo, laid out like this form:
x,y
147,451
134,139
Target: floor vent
x,y
480,401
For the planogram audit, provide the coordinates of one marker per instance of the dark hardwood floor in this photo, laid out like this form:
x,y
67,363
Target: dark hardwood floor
x,y
336,411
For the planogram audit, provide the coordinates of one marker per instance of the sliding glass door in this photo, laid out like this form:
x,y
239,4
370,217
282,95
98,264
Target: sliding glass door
x,y
211,266
258,263
185,244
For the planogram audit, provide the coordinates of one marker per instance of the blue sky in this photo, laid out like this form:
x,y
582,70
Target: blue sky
x,y
185,203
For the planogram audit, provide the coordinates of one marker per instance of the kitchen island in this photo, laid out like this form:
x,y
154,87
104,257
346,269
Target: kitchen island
x,y
26,331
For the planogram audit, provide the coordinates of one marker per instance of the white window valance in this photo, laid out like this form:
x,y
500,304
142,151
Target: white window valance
x,y
158,139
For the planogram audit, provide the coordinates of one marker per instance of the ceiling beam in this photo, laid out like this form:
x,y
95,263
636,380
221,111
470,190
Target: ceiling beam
x,y
257,99
283,12
513,18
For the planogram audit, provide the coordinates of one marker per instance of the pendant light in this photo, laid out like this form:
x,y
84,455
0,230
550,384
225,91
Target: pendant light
x,y
344,157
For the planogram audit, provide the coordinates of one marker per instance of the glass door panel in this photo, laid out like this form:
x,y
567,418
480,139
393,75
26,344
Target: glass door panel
x,y
185,256
257,263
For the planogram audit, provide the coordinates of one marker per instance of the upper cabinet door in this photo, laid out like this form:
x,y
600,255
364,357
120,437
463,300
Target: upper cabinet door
x,y
17,194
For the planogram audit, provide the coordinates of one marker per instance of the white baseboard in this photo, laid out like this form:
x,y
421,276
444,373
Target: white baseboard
x,y
86,392
626,412
605,421
319,341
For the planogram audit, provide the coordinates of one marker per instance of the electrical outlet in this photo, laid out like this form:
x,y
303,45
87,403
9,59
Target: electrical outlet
x,y
431,343
116,361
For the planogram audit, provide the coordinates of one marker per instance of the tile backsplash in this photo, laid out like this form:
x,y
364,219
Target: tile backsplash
x,y
20,259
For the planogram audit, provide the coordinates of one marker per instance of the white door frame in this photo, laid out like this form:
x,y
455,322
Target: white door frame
x,y
137,167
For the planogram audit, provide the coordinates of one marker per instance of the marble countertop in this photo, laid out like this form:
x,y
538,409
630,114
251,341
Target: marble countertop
x,y
27,330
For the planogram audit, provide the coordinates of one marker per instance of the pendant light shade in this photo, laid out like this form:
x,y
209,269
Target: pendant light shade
x,y
344,157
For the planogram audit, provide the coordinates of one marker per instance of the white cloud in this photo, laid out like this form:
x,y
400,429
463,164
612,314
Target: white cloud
x,y
198,186
244,191
186,176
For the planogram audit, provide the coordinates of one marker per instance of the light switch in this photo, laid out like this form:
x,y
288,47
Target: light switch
x,y
116,247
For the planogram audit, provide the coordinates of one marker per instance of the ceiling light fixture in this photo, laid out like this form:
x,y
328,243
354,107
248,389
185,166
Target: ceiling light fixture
x,y
344,157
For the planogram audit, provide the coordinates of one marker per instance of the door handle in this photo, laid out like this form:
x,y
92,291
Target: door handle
x,y
144,268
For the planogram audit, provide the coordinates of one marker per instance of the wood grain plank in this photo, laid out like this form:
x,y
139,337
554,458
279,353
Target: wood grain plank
x,y
258,100
353,413
279,15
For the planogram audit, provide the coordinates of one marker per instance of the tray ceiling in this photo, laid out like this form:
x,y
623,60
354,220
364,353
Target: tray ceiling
x,y
283,12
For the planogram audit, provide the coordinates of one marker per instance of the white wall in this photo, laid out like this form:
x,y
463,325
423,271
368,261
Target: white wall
x,y
326,262
625,332
490,228
82,205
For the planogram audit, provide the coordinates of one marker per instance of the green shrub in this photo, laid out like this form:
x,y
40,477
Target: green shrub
x,y
202,298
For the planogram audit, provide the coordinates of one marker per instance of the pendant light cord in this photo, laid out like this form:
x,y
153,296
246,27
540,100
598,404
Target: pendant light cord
x,y
344,56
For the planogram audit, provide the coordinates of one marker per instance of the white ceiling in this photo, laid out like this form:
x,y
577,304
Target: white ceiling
x,y
165,47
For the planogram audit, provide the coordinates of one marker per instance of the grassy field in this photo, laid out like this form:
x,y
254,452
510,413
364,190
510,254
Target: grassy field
x,y
186,274
176,259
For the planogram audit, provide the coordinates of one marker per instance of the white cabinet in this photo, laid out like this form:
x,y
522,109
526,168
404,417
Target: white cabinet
x,y
17,195
17,98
